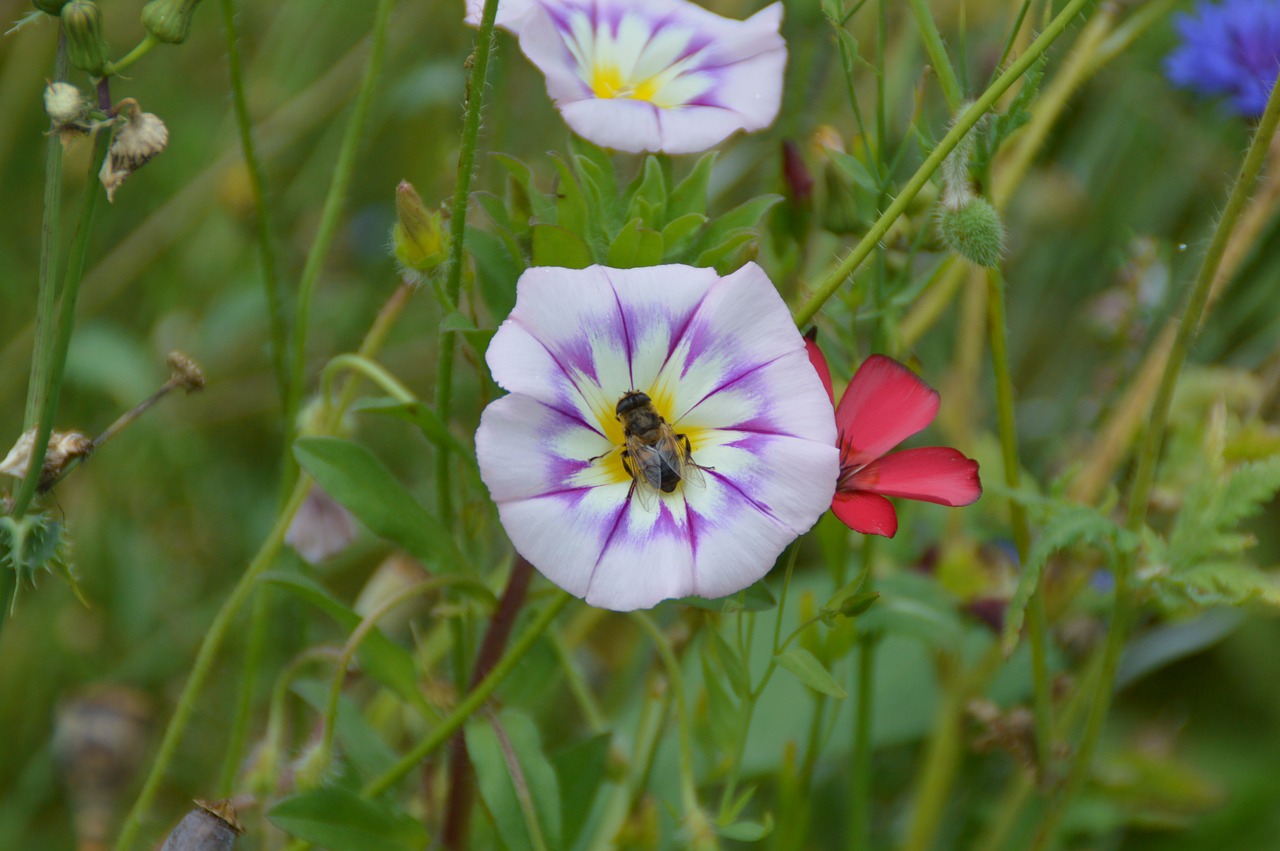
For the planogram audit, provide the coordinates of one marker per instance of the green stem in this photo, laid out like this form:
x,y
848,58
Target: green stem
x,y
963,124
343,170
1037,628
860,800
942,759
50,237
369,369
140,50
255,648
57,364
937,54
476,84
200,669
257,184
472,702
1148,457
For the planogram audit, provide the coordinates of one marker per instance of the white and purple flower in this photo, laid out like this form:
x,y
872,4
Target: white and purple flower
x,y
659,75
1229,49
723,365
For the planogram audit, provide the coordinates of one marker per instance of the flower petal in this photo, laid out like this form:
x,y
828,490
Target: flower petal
x,y
884,404
868,513
664,75
510,13
936,474
819,361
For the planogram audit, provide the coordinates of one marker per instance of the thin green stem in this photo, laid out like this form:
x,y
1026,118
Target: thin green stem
x,y
476,86
73,275
200,669
1148,458
255,647
675,681
937,54
472,702
343,170
140,50
860,800
50,237
371,370
257,183
963,124
1037,628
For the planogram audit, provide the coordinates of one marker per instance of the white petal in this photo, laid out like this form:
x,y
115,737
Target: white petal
x,y
619,123
563,534
527,449
648,558
510,13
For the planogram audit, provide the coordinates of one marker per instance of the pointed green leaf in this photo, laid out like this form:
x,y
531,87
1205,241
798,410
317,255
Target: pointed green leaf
x,y
680,229
557,246
854,169
735,668
341,821
361,746
808,670
497,270
690,194
650,200
635,246
355,478
580,769
516,780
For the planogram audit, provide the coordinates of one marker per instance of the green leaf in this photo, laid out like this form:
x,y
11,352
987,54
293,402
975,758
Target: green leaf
x,y
854,169
724,717
735,668
516,780
1069,525
808,670
914,605
340,821
747,831
460,323
680,229
497,271
361,745
635,246
355,478
649,202
557,246
383,659
690,195
542,208
580,769
424,417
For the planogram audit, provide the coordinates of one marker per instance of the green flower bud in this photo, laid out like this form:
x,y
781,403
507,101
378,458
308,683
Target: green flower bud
x,y
169,20
49,7
973,231
86,45
419,239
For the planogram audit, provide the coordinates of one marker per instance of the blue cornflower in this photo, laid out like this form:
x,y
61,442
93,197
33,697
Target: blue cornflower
x,y
1231,49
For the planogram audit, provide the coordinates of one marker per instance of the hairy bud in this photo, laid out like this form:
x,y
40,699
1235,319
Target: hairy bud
x,y
974,231
86,45
419,238
169,20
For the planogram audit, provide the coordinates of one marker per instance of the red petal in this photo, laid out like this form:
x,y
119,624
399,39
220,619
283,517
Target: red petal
x,y
884,405
867,513
819,361
932,474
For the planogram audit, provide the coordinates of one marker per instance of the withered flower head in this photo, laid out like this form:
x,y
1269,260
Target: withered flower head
x,y
64,103
187,373
140,136
64,447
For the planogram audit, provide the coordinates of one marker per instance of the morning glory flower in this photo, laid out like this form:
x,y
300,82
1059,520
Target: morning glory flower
x,y
883,405
724,367
658,75
510,13
1229,49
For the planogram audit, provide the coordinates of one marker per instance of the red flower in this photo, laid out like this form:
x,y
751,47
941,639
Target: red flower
x,y
885,404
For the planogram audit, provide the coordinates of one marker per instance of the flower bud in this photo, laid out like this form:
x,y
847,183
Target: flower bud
x,y
169,20
419,238
973,231
86,45
209,827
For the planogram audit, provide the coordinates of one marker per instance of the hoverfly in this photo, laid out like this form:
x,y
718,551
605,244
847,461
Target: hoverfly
x,y
656,458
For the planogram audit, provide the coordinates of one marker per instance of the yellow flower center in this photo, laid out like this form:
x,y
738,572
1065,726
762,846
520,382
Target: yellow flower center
x,y
609,467
607,82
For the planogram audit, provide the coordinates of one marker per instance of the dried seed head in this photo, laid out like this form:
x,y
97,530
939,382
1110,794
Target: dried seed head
x,y
65,104
139,138
209,827
64,447
186,373
99,742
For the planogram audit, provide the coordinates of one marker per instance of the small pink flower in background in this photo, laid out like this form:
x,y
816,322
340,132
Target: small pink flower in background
x,y
884,404
657,75
723,365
